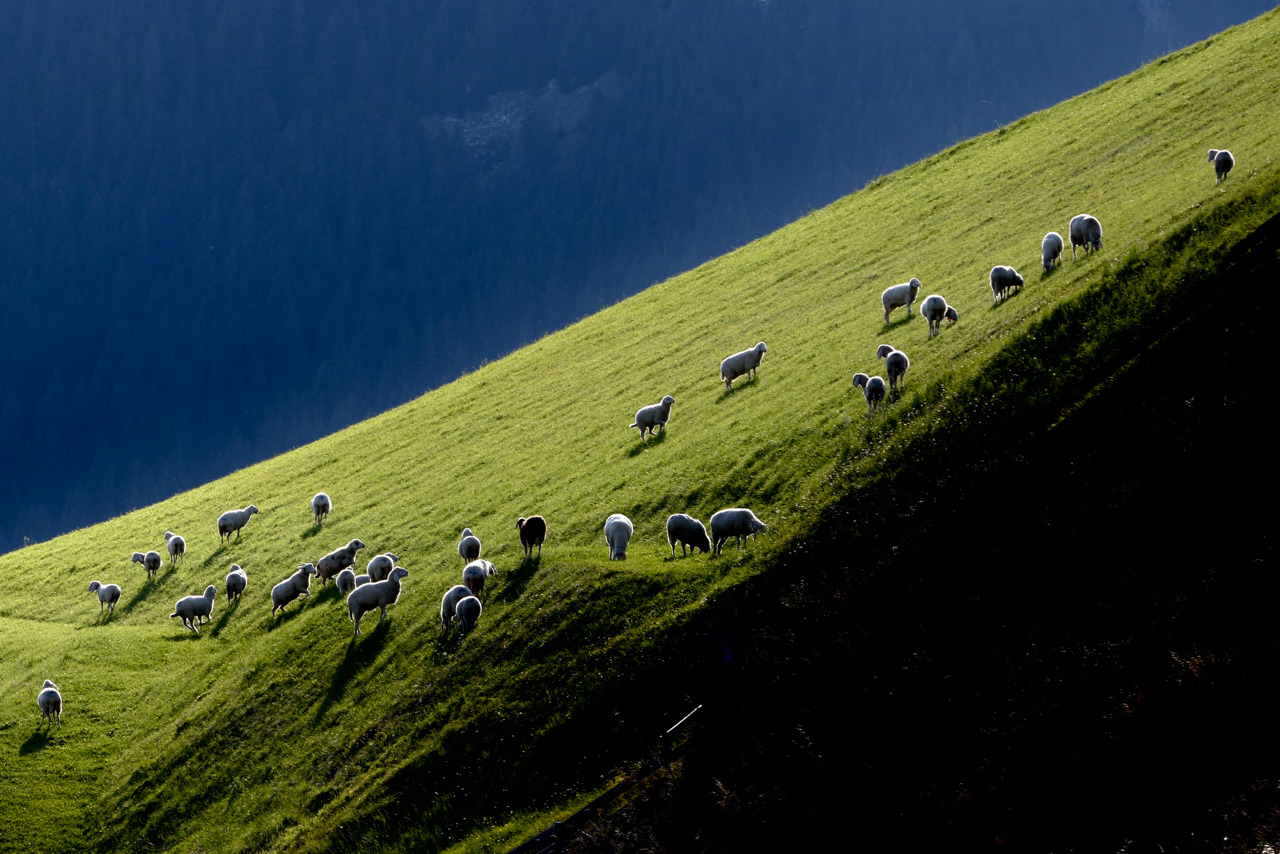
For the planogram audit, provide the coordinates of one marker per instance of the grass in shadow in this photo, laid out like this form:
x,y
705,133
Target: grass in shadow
x,y
648,443
360,653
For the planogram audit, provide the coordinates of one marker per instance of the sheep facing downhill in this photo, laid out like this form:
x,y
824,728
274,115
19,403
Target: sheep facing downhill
x,y
50,702
533,531
895,363
150,562
376,594
108,595
475,573
935,310
1222,162
898,296
298,584
617,533
1085,231
873,389
468,611
1003,280
688,531
655,415
232,521
237,581
737,522
177,547
449,604
469,545
195,610
380,566
1051,250
321,506
337,560
738,364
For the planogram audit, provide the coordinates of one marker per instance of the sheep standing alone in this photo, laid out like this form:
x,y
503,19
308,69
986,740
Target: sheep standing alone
x,y
380,566
469,545
935,310
617,533
193,610
736,522
376,594
688,531
653,415
177,547
475,573
895,364
468,612
321,506
873,389
237,581
1051,250
150,562
232,521
449,604
50,702
1222,162
1085,231
337,560
738,364
899,296
1003,280
298,584
533,530
108,595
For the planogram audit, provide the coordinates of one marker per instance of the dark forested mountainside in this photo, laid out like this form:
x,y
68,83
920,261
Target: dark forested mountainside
x,y
227,228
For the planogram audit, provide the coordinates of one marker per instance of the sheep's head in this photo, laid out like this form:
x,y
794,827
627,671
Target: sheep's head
x,y
668,400
94,585
761,349
251,509
307,569
951,315
210,592
1213,154
860,380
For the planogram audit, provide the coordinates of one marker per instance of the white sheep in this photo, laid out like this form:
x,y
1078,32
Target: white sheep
x,y
362,579
475,573
873,389
232,521
688,531
1051,250
469,545
1003,280
738,364
298,584
736,522
653,415
468,611
617,533
177,547
150,562
321,506
346,582
376,594
380,566
895,364
899,296
1085,231
935,310
1222,162
108,595
449,604
337,560
237,581
195,610
50,702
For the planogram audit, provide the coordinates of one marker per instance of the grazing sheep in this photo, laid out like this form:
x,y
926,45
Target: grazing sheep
x,y
734,522
1085,231
688,531
1222,162
468,611
337,560
108,595
617,533
195,610
533,530
298,584
380,566
376,594
237,581
895,363
935,310
449,604
873,389
321,506
475,573
150,562
50,702
653,415
469,545
176,545
1051,250
899,296
1003,280
346,582
233,520
738,364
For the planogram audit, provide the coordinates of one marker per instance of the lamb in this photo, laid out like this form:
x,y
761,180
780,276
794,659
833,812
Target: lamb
x,y
380,566
689,531
233,520
1051,250
1003,280
533,530
195,610
298,584
50,702
475,573
734,522
468,612
895,363
237,581
873,389
1085,231
377,594
346,582
617,533
176,545
469,545
653,415
738,364
337,560
108,595
449,604
150,562
898,296
321,506
935,309
1222,162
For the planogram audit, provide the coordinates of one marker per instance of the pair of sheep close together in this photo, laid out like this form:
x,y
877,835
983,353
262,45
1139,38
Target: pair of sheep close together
x,y
733,522
652,419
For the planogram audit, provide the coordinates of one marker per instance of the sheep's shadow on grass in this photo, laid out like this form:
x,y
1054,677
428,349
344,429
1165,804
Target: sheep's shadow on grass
x,y
142,593
517,580
39,740
447,643
648,443
894,323
284,616
224,615
312,531
360,653
219,552
728,393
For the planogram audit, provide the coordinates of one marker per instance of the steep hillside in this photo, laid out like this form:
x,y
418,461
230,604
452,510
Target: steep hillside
x,y
285,734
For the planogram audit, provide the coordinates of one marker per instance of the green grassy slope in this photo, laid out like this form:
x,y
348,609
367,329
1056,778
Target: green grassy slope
x,y
282,734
